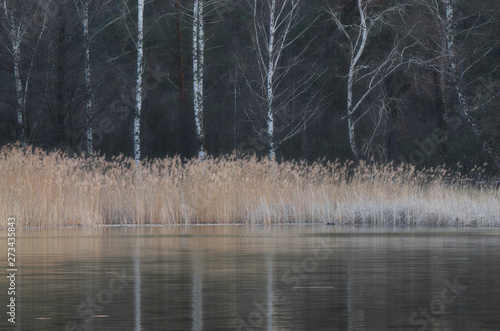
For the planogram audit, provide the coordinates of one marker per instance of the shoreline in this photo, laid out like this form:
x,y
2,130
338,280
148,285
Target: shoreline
x,y
273,225
339,229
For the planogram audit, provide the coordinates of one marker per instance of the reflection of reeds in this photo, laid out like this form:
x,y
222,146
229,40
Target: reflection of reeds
x,y
47,190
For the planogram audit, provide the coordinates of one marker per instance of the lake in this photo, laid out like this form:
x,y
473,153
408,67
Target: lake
x,y
300,277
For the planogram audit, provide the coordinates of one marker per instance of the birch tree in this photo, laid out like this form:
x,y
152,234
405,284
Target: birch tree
x,y
458,58
87,18
20,19
364,75
198,71
182,97
273,22
140,72
458,81
200,11
83,10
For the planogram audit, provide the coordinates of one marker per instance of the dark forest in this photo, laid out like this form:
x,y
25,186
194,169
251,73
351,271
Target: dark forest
x,y
405,81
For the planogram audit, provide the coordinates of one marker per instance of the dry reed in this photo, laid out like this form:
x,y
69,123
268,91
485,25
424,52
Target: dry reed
x,y
51,189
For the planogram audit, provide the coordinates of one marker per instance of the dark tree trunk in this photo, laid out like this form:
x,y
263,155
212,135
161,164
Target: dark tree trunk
x,y
185,115
440,114
392,84
62,121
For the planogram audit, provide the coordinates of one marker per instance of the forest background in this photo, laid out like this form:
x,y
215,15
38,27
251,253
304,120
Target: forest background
x,y
405,81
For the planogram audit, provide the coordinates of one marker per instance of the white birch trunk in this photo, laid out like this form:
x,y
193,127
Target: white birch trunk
x,y
269,51
17,33
201,63
198,66
270,74
20,94
195,64
88,82
140,71
357,35
355,56
457,81
16,36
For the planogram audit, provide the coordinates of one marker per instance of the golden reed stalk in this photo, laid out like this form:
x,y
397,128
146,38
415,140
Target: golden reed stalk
x,y
51,189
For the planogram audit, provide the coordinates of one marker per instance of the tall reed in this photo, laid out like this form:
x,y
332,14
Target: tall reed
x,y
51,189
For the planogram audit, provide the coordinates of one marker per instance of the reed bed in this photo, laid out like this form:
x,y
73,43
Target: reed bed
x,y
51,189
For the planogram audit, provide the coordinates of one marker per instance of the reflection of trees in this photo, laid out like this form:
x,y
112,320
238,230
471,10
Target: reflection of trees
x,y
137,291
197,294
269,264
355,316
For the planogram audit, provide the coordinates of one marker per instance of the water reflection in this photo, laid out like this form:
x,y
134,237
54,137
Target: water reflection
x,y
257,278
197,294
269,264
137,289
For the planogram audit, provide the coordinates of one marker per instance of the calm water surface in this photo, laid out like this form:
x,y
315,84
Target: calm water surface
x,y
255,278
